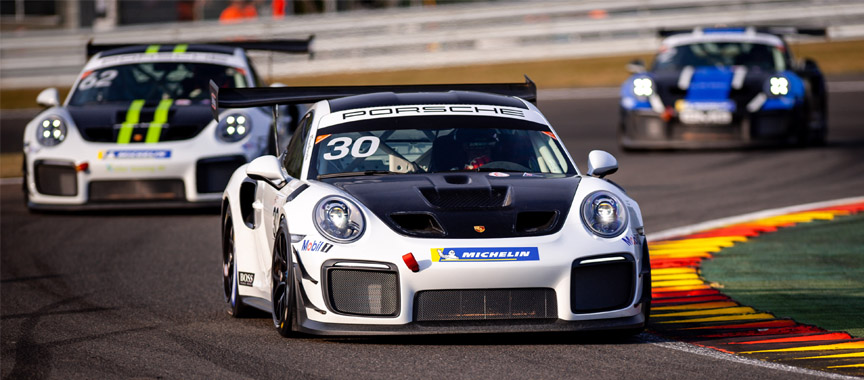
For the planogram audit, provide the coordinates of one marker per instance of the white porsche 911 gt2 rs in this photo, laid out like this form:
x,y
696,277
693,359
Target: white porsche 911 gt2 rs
x,y
427,209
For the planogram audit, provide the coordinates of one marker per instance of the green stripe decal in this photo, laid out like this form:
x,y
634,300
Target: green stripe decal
x,y
159,119
132,116
152,49
181,48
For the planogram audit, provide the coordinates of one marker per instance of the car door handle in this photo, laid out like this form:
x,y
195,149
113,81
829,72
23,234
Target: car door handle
x,y
258,205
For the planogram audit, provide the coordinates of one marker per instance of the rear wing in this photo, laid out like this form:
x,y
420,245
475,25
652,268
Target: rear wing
x,y
776,30
272,96
275,45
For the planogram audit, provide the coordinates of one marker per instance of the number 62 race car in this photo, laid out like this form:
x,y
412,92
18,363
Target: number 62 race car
x,y
426,209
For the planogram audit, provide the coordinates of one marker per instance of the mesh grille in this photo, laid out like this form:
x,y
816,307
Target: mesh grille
x,y
466,198
155,190
56,179
602,287
485,304
363,292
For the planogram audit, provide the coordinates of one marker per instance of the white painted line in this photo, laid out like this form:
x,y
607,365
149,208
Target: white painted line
x,y
716,223
11,181
693,349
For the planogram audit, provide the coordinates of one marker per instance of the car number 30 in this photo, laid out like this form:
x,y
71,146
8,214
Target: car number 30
x,y
341,147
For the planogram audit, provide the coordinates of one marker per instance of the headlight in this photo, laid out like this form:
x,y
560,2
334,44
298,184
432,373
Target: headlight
x,y
338,219
778,86
643,87
51,131
233,127
604,214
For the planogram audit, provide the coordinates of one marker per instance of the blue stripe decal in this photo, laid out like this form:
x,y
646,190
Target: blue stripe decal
x,y
710,84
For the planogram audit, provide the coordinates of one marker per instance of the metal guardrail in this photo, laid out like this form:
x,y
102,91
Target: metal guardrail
x,y
441,36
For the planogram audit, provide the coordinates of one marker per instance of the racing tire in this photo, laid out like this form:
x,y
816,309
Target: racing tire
x,y
236,308
282,285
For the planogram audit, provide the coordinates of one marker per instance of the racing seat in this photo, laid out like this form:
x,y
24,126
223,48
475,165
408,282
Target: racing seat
x,y
447,154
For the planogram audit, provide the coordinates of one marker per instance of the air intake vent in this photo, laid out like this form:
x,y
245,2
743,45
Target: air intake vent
x,y
602,284
137,190
534,222
493,197
485,304
419,224
56,178
363,292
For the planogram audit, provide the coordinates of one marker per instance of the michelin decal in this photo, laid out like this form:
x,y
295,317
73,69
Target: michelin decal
x,y
485,254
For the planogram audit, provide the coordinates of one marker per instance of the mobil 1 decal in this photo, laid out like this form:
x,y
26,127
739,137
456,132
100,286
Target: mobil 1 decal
x,y
315,246
485,254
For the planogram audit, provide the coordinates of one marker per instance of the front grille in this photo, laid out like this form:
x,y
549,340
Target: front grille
x,y
602,285
56,178
493,197
212,174
485,304
137,190
363,292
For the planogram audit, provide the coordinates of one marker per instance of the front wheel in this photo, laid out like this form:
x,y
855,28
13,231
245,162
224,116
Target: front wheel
x,y
229,268
282,285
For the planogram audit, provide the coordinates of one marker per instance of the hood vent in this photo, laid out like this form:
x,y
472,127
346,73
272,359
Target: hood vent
x,y
534,222
421,224
490,197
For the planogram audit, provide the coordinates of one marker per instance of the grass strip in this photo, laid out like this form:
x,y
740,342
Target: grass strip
x,y
813,273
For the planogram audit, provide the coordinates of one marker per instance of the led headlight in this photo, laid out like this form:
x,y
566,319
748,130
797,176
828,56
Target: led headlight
x,y
778,86
338,219
604,214
233,127
643,87
51,131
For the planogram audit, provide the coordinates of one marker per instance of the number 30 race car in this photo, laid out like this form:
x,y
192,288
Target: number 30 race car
x,y
427,209
136,129
724,87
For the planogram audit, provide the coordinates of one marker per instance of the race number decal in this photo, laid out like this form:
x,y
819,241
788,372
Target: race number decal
x,y
359,149
104,80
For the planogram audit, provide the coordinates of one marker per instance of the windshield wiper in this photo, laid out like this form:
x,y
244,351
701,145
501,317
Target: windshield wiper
x,y
357,174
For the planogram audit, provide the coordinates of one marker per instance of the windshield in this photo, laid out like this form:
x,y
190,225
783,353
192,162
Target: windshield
x,y
437,144
153,82
721,54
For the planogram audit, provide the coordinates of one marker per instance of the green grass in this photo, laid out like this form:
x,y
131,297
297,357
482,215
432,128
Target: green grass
x,y
813,273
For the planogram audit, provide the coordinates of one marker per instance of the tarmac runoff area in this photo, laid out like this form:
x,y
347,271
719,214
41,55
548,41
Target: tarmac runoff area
x,y
686,308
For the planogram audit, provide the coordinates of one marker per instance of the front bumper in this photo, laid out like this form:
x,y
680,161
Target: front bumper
x,y
646,129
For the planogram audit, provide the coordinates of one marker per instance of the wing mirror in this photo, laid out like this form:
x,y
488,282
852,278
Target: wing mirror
x,y
636,66
268,169
601,163
48,98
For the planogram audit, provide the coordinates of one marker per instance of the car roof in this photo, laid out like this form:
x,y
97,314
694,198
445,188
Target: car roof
x,y
203,48
211,54
723,35
382,99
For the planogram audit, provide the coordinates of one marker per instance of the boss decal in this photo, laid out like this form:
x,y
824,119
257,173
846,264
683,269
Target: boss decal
x,y
245,279
315,246
134,154
486,254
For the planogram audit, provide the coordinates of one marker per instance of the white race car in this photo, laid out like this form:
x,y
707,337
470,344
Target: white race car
x,y
136,129
429,209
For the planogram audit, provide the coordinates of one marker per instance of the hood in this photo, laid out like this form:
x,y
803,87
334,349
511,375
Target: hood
x,y
711,84
466,205
101,123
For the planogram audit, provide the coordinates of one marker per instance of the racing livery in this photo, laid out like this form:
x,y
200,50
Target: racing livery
x,y
136,129
724,87
426,209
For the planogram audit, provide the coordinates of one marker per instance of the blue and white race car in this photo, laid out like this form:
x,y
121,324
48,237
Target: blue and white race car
x,y
723,87
429,209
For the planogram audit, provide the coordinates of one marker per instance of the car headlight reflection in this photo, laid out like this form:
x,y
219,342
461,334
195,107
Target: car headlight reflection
x,y
643,87
338,219
604,214
51,131
233,127
778,86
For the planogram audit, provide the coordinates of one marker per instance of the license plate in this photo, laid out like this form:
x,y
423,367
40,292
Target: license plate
x,y
690,116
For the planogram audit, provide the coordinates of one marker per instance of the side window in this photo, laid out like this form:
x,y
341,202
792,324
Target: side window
x,y
293,158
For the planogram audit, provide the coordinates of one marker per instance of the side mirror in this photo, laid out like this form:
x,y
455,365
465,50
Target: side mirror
x,y
636,66
48,98
810,65
268,169
601,163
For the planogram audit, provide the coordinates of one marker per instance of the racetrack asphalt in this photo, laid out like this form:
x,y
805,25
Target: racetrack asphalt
x,y
110,295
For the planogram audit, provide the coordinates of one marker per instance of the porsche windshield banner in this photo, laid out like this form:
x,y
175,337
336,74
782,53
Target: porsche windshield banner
x,y
485,254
